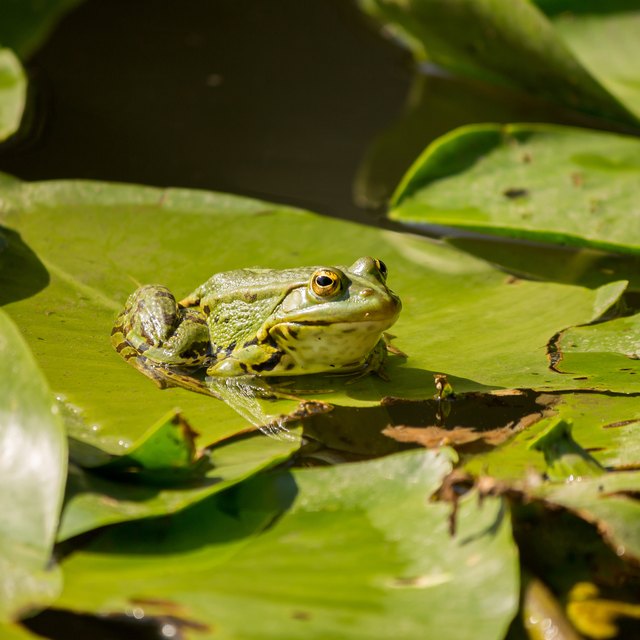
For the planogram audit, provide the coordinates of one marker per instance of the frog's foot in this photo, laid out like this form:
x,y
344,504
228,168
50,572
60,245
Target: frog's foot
x,y
387,338
153,326
254,386
374,363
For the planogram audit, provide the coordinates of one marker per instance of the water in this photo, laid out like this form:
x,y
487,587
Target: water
x,y
285,100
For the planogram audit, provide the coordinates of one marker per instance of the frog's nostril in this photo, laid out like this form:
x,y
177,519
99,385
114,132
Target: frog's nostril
x,y
365,293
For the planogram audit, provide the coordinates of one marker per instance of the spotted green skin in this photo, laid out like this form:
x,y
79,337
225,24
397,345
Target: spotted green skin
x,y
263,322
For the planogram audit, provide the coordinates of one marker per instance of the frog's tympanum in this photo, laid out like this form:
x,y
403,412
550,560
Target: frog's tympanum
x,y
265,322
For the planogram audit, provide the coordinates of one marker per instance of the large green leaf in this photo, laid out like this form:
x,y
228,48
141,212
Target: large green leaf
x,y
313,553
603,351
515,44
13,93
603,36
16,632
609,501
537,182
620,336
32,472
605,426
97,499
559,263
75,250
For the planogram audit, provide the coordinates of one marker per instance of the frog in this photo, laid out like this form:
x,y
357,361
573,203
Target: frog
x,y
265,322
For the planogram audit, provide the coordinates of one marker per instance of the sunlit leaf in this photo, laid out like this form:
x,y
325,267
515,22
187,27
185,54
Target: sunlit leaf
x,y
603,37
516,44
560,263
621,335
604,426
316,553
16,632
102,497
32,472
73,251
564,458
13,93
537,182
608,501
541,611
166,451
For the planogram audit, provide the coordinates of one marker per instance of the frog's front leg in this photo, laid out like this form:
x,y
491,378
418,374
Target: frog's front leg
x,y
154,326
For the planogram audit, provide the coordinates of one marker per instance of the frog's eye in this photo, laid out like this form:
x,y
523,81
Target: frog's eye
x,y
382,268
325,283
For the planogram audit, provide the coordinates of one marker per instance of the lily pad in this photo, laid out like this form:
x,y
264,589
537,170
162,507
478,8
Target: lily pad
x,y
102,497
604,426
565,459
536,182
13,93
32,472
312,552
16,632
515,44
603,37
559,263
604,350
621,335
73,251
608,501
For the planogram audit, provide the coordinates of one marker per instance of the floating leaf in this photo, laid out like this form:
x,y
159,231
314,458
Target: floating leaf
x,y
73,251
603,37
13,93
604,426
316,553
608,501
564,458
167,451
558,263
621,335
536,182
515,44
32,473
541,612
95,499
16,632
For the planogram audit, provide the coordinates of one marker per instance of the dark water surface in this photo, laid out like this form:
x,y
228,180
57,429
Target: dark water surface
x,y
276,99
279,99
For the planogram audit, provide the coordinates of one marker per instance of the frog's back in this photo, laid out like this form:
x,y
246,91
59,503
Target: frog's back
x,y
263,283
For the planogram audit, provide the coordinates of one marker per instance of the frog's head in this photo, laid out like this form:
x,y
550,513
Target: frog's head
x,y
335,319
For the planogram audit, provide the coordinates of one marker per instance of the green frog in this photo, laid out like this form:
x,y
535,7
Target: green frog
x,y
264,322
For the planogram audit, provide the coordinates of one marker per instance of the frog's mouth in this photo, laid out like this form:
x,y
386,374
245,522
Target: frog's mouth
x,y
296,330
386,315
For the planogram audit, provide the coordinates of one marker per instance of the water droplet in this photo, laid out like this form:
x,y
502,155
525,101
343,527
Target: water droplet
x,y
169,630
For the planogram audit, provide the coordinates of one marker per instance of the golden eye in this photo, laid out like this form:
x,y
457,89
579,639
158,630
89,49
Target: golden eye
x,y
325,283
382,268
